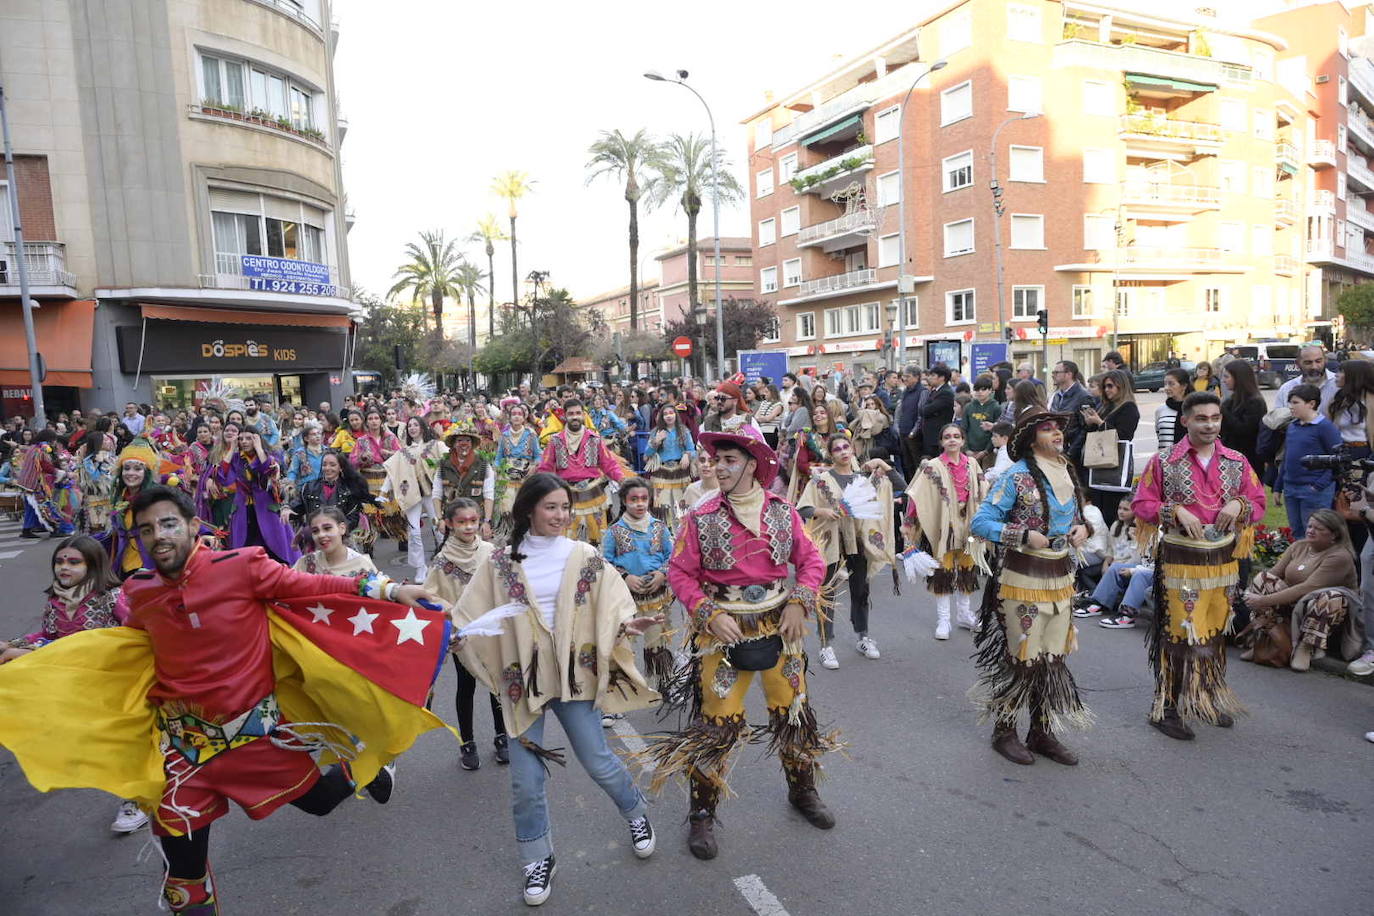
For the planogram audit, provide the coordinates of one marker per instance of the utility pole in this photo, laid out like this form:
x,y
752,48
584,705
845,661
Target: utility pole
x,y
26,304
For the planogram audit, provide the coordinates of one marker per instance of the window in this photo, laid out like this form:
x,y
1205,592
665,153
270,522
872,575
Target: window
x,y
887,125
763,134
787,167
806,326
223,81
1233,115
958,171
1023,22
237,233
889,188
1232,176
1083,302
1231,238
1340,137
791,272
1026,302
744,260
249,87
912,310
956,103
1211,299
1098,98
768,231
1023,93
764,181
889,249
791,221
1262,241
959,307
853,319
1027,230
768,280
1264,124
1123,302
1342,90
278,237
956,31
1099,232
6,215
958,238
773,332
1099,166
1262,181
1340,186
1027,163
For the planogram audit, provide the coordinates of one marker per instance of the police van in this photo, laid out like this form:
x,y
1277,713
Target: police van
x,y
1275,361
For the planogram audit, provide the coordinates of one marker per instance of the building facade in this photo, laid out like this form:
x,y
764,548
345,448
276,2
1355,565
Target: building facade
x,y
1147,181
182,199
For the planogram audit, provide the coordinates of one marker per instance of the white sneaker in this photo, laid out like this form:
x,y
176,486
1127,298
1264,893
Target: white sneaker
x,y
642,837
608,719
539,880
1369,736
942,630
867,647
968,621
1362,666
129,818
828,659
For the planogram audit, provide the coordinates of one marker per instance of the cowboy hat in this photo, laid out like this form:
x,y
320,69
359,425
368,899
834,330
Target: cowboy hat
x,y
766,460
1026,425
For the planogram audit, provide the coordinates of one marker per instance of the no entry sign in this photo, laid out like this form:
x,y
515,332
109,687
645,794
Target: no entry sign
x,y
682,346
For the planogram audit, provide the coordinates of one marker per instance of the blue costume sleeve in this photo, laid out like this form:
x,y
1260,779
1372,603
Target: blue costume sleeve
x,y
991,516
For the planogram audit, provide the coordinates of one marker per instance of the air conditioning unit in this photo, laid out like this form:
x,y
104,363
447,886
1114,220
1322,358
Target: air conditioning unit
x,y
1323,79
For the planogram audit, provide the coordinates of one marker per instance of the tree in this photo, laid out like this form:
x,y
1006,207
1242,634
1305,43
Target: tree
x,y
489,233
686,173
746,323
511,186
634,160
469,280
384,328
1356,305
430,273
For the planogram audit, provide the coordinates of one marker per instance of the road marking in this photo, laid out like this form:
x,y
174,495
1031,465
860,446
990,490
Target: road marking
x,y
759,898
633,743
10,554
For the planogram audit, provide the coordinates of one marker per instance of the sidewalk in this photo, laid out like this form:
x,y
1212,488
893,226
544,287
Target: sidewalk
x,y
1332,665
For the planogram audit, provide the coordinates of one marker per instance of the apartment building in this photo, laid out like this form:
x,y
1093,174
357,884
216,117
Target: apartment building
x,y
1150,173
180,191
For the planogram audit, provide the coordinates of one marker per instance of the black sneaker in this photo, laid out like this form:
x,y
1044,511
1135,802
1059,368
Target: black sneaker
x,y
381,787
642,836
539,880
502,749
468,756
1118,621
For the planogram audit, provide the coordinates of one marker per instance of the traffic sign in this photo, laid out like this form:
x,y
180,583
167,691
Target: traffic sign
x,y
682,346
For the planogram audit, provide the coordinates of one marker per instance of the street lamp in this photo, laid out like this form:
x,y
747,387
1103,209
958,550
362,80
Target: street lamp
x,y
26,305
715,211
997,208
905,283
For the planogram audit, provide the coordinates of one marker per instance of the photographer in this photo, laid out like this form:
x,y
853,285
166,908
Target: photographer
x,y
1304,488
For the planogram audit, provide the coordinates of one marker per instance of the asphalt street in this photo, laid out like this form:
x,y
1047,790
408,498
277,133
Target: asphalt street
x,y
1271,817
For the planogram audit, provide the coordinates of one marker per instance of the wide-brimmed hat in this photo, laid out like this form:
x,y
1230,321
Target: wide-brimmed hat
x,y
467,429
1024,433
766,460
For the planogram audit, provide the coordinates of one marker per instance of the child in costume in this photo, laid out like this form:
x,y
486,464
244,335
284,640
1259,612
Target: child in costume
x,y
638,546
669,464
460,557
517,452
84,595
328,529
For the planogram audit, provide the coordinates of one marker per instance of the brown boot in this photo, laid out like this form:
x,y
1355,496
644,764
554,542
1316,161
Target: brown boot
x,y
1041,740
1173,725
801,792
1006,743
701,837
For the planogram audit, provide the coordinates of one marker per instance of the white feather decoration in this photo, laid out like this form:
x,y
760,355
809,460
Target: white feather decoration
x,y
417,387
861,499
222,397
919,565
489,624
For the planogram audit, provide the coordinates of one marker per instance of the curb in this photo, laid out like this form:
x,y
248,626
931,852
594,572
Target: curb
x,y
1336,667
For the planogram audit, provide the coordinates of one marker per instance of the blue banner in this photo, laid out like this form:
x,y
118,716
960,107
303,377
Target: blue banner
x,y
985,355
285,269
757,364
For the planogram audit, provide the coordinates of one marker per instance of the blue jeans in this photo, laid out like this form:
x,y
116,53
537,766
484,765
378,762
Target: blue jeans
x,y
1119,590
1301,500
581,722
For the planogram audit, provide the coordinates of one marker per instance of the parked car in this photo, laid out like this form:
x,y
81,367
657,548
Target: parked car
x,y
1151,377
1275,363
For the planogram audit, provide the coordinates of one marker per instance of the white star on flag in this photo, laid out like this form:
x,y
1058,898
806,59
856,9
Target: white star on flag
x,y
362,621
321,614
411,628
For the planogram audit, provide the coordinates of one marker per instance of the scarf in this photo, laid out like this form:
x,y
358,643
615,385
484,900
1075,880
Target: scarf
x,y
638,524
748,508
459,554
71,597
1057,473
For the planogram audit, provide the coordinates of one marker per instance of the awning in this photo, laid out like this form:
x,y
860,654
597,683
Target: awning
x,y
63,329
833,129
232,316
1161,82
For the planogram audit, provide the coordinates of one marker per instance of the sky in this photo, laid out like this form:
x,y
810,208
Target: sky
x,y
441,97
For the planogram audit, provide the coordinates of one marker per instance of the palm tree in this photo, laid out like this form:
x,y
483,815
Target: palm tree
x,y
633,160
511,186
685,174
489,232
469,281
430,272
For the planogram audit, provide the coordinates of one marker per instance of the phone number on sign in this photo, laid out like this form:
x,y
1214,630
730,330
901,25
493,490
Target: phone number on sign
x,y
292,286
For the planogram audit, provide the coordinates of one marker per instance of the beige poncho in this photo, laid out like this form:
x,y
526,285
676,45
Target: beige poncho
x,y
410,472
584,656
455,565
844,536
939,515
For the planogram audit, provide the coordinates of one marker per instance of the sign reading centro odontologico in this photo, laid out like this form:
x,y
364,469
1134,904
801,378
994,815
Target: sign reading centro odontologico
x,y
284,275
216,349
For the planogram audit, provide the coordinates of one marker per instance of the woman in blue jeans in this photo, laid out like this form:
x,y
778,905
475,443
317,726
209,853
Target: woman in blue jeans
x,y
556,623
1120,595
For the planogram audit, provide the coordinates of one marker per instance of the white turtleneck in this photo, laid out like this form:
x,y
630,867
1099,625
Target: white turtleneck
x,y
545,558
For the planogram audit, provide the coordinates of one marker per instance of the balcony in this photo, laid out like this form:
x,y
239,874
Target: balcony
x,y
1286,155
47,269
229,275
1285,265
1156,199
835,234
1362,79
860,280
1322,154
1324,200
1358,171
834,174
1356,213
1285,212
1194,68
210,110
1157,262
1171,138
1361,128
1322,251
850,102
341,125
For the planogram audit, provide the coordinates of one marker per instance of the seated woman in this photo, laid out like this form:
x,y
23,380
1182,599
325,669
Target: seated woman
x,y
1311,588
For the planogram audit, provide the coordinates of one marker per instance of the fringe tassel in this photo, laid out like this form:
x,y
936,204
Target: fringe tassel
x,y
707,746
1198,674
573,689
1245,542
796,738
681,691
1036,595
545,755
532,678
658,666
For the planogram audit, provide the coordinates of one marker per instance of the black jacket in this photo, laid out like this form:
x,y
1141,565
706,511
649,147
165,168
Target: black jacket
x,y
1240,428
935,413
909,411
1070,402
349,501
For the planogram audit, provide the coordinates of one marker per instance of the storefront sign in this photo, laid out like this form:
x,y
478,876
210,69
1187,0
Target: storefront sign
x,y
283,275
984,355
220,349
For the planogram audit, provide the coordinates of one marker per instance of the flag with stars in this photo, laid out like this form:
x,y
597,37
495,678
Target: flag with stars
x,y
398,648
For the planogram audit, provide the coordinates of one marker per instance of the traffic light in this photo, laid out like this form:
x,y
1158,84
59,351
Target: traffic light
x,y
1010,333
1042,321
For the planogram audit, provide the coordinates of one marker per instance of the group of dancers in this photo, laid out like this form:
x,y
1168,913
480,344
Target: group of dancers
x,y
247,647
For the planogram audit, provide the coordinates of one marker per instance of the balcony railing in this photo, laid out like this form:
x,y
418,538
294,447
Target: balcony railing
x,y
1285,211
1322,250
1322,153
1360,125
1162,128
836,170
844,225
46,263
1362,78
1357,167
260,120
1323,200
1285,265
1161,256
1287,152
1080,52
861,96
1163,194
291,10
1359,215
839,282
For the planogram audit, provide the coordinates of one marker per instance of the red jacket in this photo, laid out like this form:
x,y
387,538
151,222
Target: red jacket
x,y
208,628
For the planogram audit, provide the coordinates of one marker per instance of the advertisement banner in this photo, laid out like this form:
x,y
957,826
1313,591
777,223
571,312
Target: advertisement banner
x,y
223,349
948,352
283,275
985,355
757,364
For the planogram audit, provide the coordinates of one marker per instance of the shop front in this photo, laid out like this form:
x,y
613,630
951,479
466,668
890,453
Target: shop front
x,y
63,330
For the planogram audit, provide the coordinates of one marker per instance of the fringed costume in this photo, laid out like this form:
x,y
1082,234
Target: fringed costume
x,y
1195,580
51,495
641,547
583,460
669,467
516,456
369,454
412,489
252,486
944,493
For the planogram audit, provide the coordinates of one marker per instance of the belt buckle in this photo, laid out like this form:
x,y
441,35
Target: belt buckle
x,y
1059,542
754,594
1210,533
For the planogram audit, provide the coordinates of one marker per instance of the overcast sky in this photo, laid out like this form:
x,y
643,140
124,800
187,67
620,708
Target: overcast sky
x,y
442,96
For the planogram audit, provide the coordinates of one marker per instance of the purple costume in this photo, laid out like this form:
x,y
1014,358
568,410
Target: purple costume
x,y
254,518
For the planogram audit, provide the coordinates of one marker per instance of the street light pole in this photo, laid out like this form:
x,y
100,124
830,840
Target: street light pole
x,y
997,209
904,283
25,303
715,213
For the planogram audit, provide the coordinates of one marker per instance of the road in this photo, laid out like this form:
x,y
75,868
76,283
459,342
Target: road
x,y
1268,818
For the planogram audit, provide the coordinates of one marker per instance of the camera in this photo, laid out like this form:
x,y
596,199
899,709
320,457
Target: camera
x,y
1341,464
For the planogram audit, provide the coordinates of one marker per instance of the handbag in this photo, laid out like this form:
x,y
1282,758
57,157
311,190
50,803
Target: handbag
x,y
1100,449
1118,477
760,654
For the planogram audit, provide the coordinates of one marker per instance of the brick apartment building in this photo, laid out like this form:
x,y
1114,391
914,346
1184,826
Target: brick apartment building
x,y
1172,168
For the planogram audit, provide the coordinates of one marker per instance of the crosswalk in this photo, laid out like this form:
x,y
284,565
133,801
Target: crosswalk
x,y
11,544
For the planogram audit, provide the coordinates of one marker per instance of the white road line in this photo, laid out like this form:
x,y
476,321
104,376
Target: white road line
x,y
759,898
10,554
633,743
